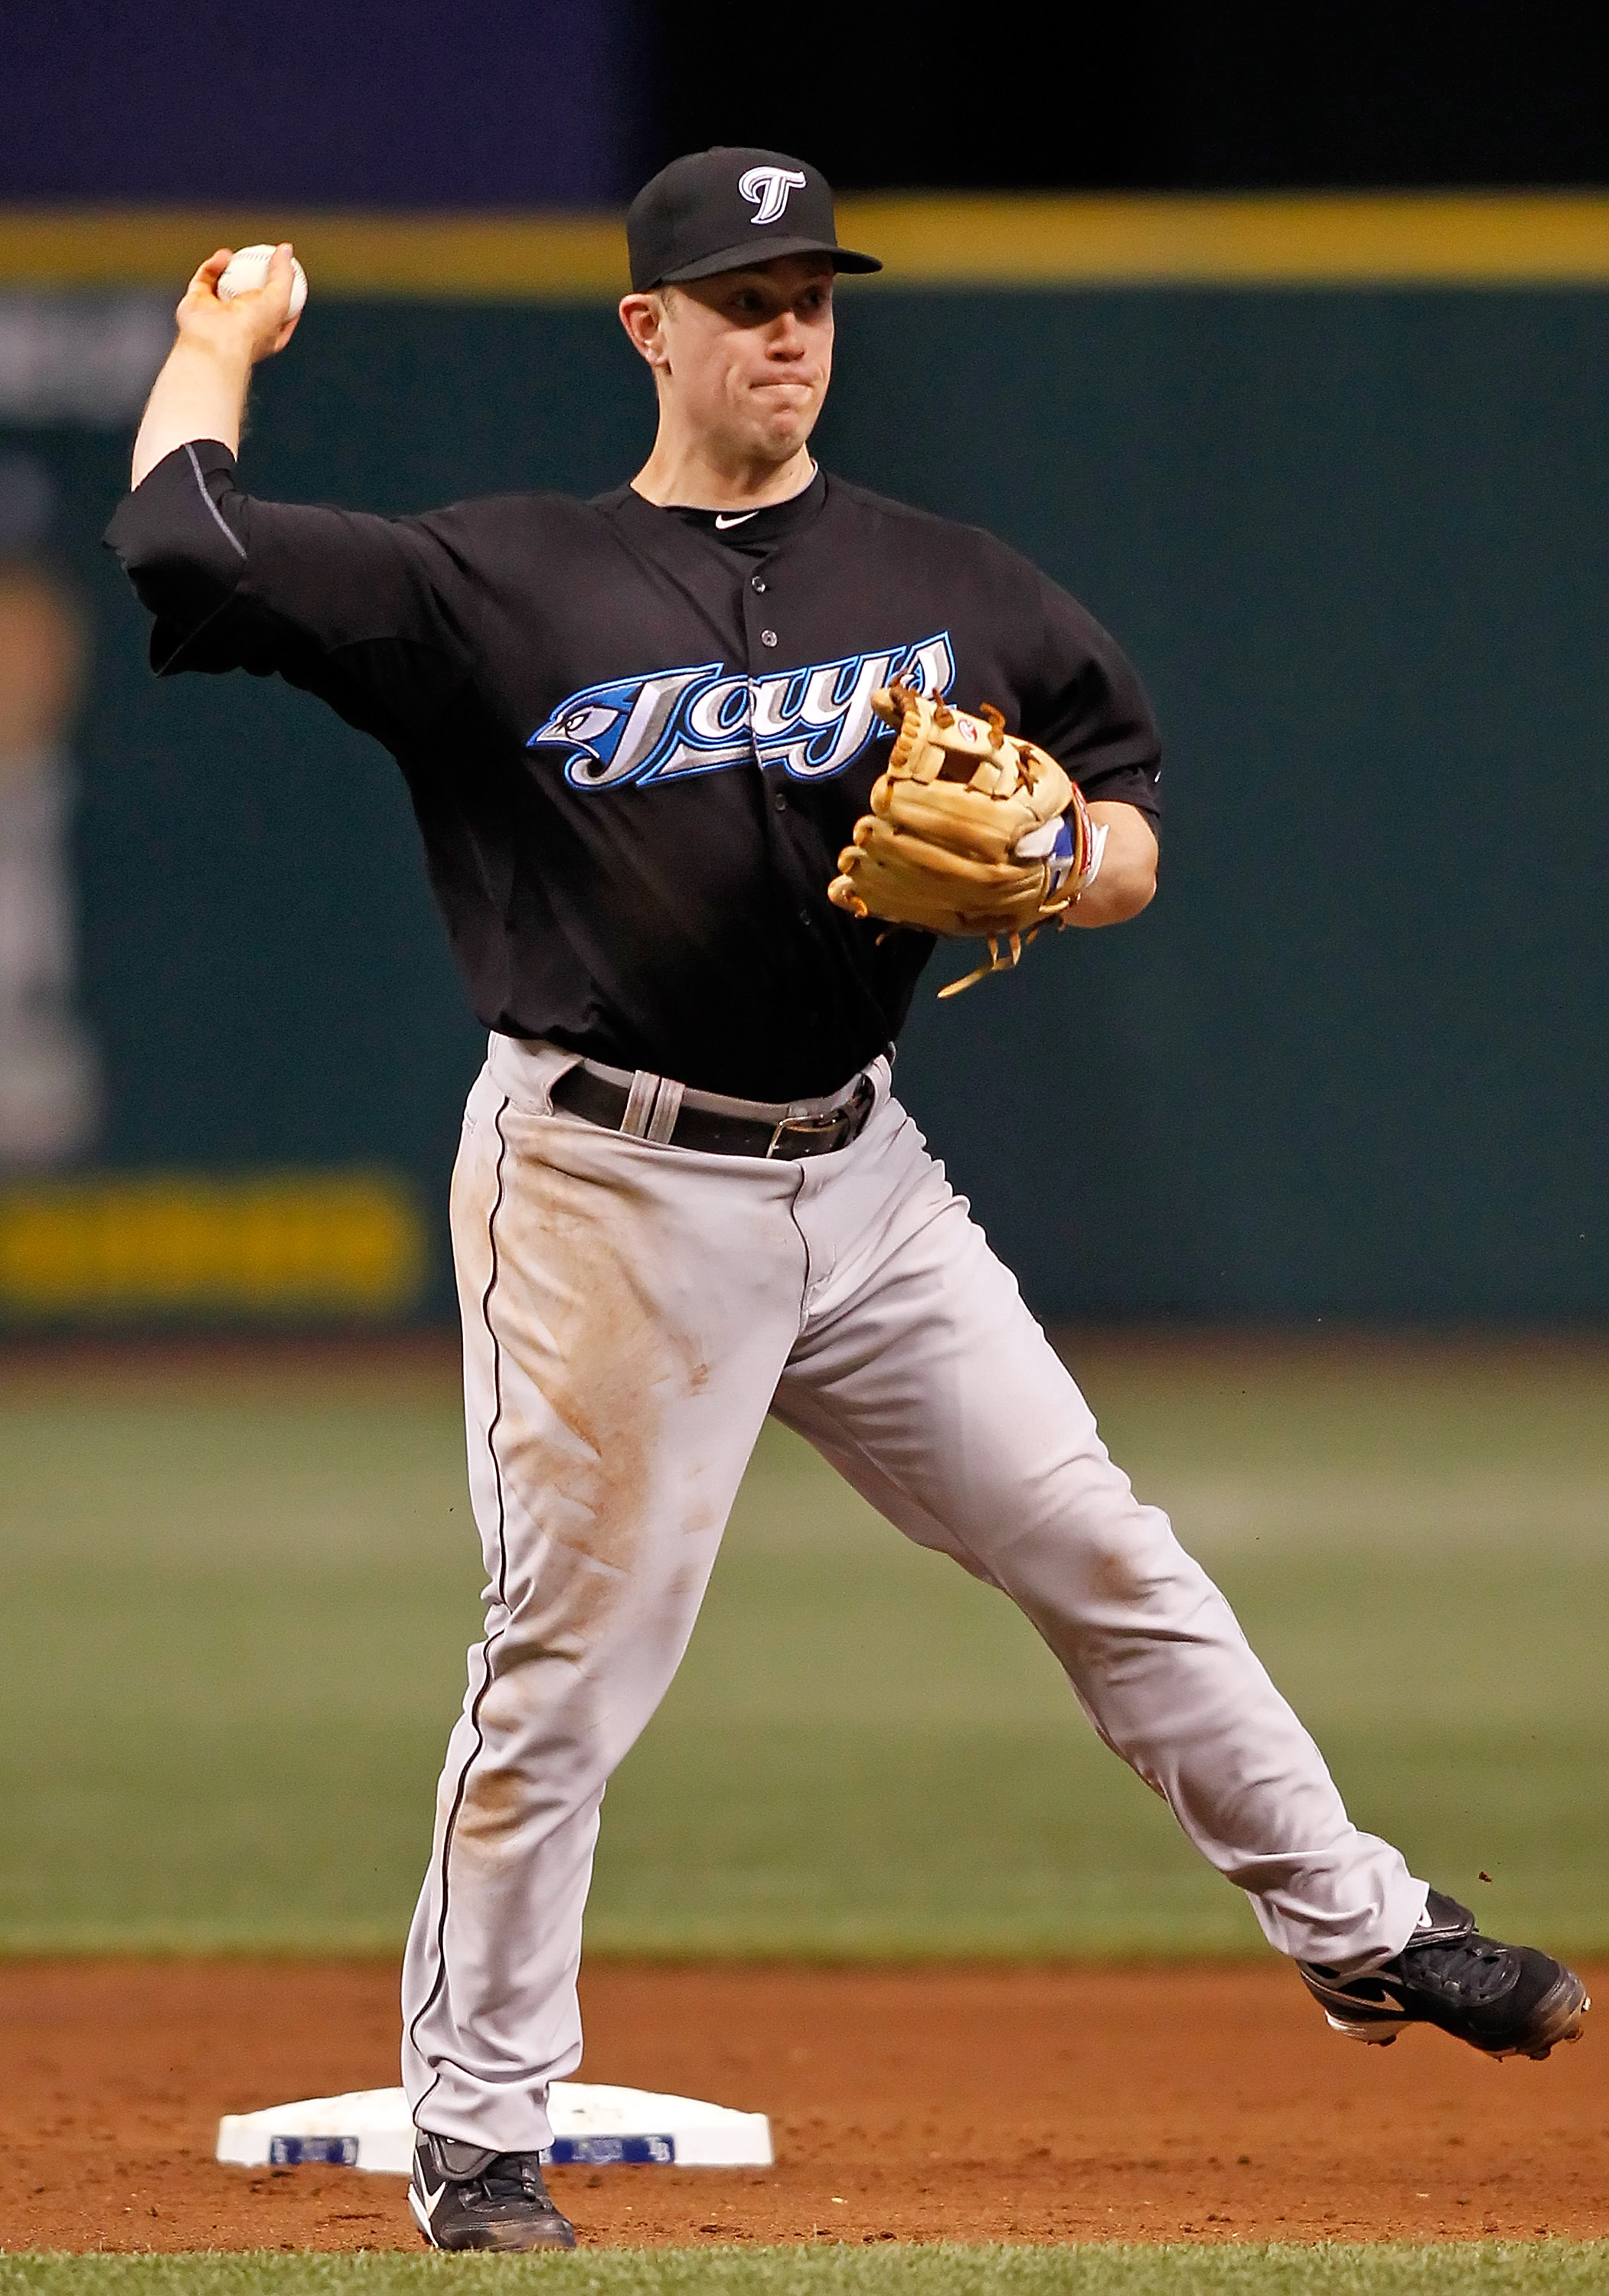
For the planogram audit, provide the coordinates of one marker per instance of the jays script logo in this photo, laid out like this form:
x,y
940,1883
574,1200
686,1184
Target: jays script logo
x,y
814,721
768,191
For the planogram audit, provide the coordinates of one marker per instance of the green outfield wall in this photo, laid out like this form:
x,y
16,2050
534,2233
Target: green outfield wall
x,y
1355,538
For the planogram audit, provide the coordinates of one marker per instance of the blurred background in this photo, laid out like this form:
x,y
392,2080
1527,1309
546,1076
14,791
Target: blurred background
x,y
1283,341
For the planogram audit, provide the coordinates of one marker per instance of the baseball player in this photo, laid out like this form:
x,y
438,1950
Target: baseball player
x,y
692,763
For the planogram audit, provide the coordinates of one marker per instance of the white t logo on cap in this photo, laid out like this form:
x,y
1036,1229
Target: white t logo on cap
x,y
768,189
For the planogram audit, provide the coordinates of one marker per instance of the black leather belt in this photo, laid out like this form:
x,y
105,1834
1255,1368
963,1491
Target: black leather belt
x,y
579,1093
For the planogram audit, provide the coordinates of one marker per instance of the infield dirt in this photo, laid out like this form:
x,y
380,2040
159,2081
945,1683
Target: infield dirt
x,y
962,2104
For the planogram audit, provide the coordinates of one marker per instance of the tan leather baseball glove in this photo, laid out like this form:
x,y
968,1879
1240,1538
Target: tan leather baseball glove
x,y
971,832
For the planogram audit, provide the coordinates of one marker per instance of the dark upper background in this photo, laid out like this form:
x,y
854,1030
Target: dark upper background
x,y
501,103
1144,97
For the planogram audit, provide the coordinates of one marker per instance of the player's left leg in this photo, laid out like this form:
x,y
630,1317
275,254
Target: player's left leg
x,y
922,1376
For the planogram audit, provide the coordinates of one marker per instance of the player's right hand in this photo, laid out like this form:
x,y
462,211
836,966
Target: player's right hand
x,y
249,327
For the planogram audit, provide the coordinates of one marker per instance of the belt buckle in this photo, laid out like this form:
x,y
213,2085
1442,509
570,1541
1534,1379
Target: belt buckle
x,y
812,1128
841,1122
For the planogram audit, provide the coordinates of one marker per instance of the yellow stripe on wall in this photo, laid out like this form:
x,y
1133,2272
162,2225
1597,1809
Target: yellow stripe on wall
x,y
1320,242
523,257
1462,240
343,1244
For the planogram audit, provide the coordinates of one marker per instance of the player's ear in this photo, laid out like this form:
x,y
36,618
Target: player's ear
x,y
643,316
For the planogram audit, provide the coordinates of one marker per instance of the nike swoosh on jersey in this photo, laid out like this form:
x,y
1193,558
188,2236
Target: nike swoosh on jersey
x,y
741,520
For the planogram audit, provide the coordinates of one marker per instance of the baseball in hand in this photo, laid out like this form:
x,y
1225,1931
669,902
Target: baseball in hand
x,y
248,268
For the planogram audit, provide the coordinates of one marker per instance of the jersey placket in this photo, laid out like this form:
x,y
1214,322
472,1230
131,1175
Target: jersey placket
x,y
763,642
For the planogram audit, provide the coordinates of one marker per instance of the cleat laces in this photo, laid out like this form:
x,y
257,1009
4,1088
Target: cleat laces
x,y
1477,1971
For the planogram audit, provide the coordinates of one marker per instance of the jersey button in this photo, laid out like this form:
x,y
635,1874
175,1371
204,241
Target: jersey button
x,y
781,800
768,637
757,582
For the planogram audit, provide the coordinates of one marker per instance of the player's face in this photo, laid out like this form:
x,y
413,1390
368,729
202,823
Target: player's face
x,y
749,354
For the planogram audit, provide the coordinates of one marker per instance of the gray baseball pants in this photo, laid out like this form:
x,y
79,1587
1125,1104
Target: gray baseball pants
x,y
631,1312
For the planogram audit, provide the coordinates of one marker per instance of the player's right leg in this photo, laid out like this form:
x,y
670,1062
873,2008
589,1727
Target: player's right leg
x,y
626,1311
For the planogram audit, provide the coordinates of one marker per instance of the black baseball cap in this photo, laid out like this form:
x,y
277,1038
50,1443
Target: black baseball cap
x,y
717,211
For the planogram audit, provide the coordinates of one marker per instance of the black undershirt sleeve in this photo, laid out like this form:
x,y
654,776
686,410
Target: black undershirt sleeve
x,y
1088,708
357,608
181,545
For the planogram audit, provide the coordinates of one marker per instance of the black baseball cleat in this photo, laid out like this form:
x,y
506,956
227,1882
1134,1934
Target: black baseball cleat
x,y
464,2197
1505,2000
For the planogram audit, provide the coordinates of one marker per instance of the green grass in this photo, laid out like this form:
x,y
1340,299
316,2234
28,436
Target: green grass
x,y
1482,2269
234,1620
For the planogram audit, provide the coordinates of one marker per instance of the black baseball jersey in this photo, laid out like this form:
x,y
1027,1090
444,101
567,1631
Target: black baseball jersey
x,y
636,738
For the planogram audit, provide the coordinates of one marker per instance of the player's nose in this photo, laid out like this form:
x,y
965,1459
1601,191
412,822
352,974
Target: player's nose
x,y
785,337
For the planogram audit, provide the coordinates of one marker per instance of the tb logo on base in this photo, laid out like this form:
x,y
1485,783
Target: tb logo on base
x,y
815,722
